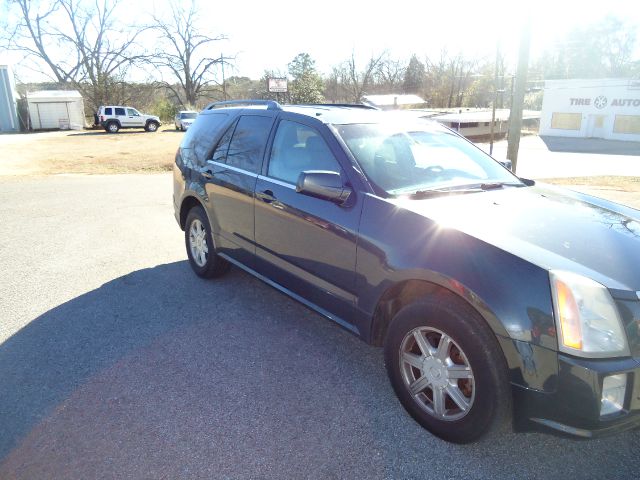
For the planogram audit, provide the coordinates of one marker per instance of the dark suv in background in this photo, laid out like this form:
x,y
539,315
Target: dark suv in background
x,y
494,298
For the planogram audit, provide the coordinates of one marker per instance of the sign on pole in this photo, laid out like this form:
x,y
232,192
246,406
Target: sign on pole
x,y
277,85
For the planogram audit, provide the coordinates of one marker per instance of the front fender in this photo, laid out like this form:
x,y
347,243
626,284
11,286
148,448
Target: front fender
x,y
512,295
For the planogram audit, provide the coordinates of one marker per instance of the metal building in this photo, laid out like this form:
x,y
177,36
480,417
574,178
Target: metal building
x,y
52,109
594,108
8,99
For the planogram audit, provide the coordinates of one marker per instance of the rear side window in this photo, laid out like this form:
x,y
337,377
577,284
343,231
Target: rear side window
x,y
108,111
119,111
201,135
220,153
248,142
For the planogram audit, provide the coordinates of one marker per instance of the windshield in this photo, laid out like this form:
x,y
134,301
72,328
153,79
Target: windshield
x,y
188,115
404,159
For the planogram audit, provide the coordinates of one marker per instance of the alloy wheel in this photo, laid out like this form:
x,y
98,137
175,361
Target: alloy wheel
x,y
198,243
437,373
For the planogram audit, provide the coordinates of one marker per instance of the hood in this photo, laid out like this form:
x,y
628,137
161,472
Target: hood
x,y
549,227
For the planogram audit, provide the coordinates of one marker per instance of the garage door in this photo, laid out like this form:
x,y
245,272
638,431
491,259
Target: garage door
x,y
49,115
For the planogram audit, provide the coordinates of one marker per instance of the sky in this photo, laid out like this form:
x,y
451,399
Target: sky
x,y
269,34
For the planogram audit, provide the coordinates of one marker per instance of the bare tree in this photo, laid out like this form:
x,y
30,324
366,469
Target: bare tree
x,y
77,43
357,82
447,79
184,53
390,75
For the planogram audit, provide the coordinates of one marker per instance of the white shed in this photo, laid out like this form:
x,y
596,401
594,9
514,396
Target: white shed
x,y
50,109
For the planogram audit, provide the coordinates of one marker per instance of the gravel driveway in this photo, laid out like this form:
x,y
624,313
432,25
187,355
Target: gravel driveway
x,y
117,362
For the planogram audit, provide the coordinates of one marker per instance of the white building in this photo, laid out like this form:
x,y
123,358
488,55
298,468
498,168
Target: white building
x,y
392,100
49,109
595,108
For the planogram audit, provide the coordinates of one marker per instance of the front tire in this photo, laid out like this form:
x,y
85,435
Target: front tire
x,y
200,249
151,126
448,370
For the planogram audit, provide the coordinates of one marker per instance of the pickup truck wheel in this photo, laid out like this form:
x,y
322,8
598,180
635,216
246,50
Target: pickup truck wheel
x,y
151,126
448,370
112,127
200,249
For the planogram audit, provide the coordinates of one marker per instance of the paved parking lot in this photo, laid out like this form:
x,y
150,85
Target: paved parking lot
x,y
553,157
117,362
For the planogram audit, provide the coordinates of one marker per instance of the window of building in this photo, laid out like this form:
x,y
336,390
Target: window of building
x,y
469,125
566,121
297,148
627,124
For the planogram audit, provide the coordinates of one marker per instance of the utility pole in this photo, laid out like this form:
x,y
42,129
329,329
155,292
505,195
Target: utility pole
x,y
495,98
515,116
224,87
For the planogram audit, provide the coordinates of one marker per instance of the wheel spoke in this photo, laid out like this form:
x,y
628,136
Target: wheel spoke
x,y
438,402
412,359
419,385
425,348
443,347
459,372
457,396
203,258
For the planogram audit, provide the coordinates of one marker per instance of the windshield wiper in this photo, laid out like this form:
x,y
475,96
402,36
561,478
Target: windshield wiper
x,y
463,189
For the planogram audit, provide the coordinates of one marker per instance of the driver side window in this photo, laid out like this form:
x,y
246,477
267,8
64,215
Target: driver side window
x,y
296,148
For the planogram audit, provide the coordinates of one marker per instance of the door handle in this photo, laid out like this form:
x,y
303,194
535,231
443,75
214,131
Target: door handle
x,y
266,196
206,174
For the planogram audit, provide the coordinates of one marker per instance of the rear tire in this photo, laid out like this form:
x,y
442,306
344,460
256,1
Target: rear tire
x,y
200,249
112,127
448,370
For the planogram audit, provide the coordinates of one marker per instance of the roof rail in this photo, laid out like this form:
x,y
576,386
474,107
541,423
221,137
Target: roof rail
x,y
348,105
271,104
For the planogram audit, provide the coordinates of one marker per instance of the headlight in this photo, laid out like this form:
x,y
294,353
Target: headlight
x,y
586,316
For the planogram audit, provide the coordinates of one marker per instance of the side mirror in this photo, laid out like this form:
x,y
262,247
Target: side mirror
x,y
506,164
323,184
528,182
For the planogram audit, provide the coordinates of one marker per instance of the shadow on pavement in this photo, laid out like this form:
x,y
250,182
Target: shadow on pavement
x,y
101,132
43,363
159,374
591,145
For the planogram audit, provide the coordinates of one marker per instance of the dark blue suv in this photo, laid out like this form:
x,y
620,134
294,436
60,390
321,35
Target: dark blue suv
x,y
495,299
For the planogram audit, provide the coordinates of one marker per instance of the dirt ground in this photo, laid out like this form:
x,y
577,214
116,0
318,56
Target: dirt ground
x,y
88,152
